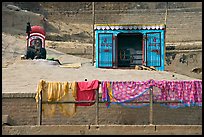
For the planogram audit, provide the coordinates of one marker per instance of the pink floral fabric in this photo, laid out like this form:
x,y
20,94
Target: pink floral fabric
x,y
189,93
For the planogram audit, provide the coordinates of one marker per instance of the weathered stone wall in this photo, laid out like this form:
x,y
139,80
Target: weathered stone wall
x,y
22,110
191,61
183,24
103,130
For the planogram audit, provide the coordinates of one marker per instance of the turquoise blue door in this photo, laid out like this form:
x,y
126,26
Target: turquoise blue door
x,y
105,54
153,49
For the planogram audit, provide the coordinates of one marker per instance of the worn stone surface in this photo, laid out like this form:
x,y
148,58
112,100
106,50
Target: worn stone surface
x,y
24,112
6,120
103,130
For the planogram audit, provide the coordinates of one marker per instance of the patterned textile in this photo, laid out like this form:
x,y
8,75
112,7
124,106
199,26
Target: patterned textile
x,y
123,92
189,93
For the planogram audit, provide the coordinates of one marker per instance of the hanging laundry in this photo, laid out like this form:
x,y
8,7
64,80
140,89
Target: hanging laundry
x,y
86,91
189,93
107,95
70,108
57,91
124,93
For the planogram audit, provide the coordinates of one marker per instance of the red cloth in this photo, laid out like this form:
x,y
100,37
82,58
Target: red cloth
x,y
86,91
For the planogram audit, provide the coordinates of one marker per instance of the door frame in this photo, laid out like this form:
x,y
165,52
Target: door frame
x,y
129,33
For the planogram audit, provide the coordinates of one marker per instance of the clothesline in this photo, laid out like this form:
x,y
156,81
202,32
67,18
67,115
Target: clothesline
x,y
132,94
189,93
185,91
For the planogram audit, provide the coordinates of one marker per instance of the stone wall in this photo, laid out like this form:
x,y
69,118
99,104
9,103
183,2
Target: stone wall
x,y
22,109
183,24
191,61
103,130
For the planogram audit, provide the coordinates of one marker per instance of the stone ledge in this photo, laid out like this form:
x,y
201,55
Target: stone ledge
x,y
18,95
103,130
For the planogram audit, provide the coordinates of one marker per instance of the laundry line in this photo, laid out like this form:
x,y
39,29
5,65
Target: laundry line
x,y
124,101
97,101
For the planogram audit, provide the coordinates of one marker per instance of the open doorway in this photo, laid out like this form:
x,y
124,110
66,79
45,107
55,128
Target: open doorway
x,y
129,49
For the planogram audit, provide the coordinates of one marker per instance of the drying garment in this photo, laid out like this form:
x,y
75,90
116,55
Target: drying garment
x,y
189,93
124,93
57,91
106,92
86,91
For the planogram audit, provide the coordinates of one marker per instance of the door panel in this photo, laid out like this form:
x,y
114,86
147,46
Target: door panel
x,y
105,50
153,49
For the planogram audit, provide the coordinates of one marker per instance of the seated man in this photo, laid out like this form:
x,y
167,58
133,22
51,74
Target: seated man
x,y
38,46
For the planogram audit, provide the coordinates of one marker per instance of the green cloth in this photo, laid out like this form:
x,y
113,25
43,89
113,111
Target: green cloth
x,y
50,58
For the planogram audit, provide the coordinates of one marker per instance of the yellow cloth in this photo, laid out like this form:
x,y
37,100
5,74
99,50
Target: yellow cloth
x,y
112,99
73,65
57,91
